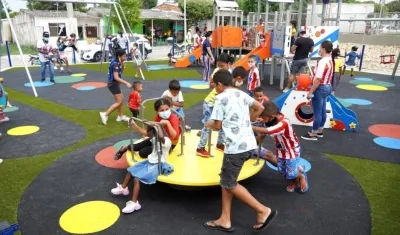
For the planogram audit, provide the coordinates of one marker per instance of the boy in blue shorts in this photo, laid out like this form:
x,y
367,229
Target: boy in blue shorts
x,y
286,144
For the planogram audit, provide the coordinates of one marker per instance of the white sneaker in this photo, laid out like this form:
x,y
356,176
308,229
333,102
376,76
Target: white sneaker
x,y
55,68
61,69
104,118
285,90
5,119
122,118
120,190
131,207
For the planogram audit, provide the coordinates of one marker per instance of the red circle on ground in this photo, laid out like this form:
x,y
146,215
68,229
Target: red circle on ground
x,y
93,84
106,158
385,130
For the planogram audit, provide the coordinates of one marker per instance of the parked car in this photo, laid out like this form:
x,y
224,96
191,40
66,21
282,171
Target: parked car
x,y
93,51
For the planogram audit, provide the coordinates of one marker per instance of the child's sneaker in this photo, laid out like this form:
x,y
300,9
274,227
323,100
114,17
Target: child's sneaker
x,y
188,128
104,118
202,152
285,90
61,69
55,68
304,185
221,147
5,119
122,118
119,190
131,207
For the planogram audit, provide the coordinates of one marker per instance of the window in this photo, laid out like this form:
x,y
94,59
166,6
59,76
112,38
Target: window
x,y
91,31
57,30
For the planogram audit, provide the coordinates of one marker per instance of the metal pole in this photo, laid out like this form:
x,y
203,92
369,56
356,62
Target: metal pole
x,y
396,65
185,21
299,15
105,38
323,14
19,49
313,6
241,19
281,10
258,10
8,54
266,16
218,23
230,16
236,17
362,57
119,18
339,12
153,33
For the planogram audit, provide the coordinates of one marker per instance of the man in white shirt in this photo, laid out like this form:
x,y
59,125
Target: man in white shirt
x,y
232,113
189,37
44,48
107,48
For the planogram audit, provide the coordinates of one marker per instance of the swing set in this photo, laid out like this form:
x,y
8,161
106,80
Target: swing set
x,y
112,3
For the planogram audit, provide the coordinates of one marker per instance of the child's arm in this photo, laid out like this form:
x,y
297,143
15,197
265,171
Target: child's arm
x,y
138,128
277,129
340,72
179,103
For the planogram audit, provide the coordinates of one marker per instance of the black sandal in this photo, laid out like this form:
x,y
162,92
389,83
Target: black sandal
x,y
267,221
120,153
215,226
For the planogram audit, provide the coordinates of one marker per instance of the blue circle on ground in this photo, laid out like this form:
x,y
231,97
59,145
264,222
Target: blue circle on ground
x,y
358,101
86,88
192,58
39,84
190,83
364,79
121,143
159,67
302,162
387,142
10,109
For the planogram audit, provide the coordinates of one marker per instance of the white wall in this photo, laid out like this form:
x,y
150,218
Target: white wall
x,y
43,23
5,30
24,26
89,22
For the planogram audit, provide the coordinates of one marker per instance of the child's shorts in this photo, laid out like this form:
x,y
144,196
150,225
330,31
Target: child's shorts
x,y
180,111
207,110
289,167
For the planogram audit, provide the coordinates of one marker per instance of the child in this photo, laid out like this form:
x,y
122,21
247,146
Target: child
x,y
174,95
238,74
259,95
337,75
287,146
145,171
135,100
172,60
137,56
5,93
253,80
351,61
55,59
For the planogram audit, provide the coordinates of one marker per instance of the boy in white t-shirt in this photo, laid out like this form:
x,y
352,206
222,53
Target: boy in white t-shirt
x,y
174,95
231,113
44,48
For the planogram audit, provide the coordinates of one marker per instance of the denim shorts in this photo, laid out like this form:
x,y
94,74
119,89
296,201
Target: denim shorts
x,y
231,166
289,167
298,66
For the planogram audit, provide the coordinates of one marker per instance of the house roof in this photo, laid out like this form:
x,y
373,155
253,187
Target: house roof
x,y
147,14
55,14
226,4
166,6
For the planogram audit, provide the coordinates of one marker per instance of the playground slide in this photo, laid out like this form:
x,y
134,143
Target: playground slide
x,y
188,59
263,53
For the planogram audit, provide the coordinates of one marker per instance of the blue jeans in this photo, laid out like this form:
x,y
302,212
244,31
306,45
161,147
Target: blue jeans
x,y
318,102
43,69
205,132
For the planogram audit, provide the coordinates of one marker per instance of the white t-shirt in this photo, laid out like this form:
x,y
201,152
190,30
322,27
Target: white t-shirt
x,y
45,47
232,107
177,98
108,42
189,36
122,41
195,39
153,157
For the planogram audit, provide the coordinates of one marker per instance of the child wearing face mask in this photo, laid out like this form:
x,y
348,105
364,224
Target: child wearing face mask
x,y
253,80
137,57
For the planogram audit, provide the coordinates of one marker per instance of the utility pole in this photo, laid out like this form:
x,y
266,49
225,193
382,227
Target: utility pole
x,y
184,21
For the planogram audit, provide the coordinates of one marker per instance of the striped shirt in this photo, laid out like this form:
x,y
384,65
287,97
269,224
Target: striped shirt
x,y
252,80
324,70
287,145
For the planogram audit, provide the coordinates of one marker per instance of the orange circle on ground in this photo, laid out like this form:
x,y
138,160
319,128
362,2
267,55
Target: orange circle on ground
x,y
92,84
317,34
106,158
385,130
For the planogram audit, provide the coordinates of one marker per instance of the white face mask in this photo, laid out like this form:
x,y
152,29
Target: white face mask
x,y
165,114
238,84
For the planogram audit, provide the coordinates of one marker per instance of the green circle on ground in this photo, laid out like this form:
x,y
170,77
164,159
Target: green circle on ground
x,y
372,82
10,109
343,102
68,79
118,145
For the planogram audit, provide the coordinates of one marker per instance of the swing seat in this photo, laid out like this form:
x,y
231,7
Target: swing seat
x,y
387,59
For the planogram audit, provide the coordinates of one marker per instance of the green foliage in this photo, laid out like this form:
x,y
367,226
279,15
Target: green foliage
x,y
3,13
197,10
52,6
393,6
148,4
132,13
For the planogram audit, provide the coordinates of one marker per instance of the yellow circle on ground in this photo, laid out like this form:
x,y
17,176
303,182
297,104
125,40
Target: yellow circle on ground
x,y
192,170
200,86
23,130
372,87
89,217
78,75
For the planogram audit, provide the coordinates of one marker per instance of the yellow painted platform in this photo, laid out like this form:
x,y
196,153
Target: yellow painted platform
x,y
192,170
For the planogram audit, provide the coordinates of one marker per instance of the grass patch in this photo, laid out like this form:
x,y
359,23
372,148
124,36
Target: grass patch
x,y
17,174
14,49
379,182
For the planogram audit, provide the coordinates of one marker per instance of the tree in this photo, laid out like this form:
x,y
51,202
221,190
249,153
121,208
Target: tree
x,y
197,10
3,13
52,6
132,13
148,4
393,6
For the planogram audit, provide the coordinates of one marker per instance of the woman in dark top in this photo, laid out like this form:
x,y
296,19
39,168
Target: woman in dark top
x,y
115,71
207,56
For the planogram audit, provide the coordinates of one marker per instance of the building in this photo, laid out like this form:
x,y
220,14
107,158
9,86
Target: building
x,y
29,25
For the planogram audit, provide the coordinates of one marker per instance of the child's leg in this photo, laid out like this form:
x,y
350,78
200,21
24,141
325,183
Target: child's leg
x,y
136,189
127,179
296,174
122,189
136,147
351,72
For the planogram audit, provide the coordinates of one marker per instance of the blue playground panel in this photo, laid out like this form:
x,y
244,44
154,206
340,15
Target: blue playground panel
x,y
6,229
39,84
302,162
159,67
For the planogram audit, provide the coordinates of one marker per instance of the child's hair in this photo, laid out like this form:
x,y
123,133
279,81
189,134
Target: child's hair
x,y
135,44
253,57
293,22
328,46
135,84
208,34
224,57
354,48
224,77
72,35
59,39
258,89
169,55
335,53
174,85
120,52
159,102
270,109
239,71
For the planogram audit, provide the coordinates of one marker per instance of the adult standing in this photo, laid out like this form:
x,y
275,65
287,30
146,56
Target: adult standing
x,y
122,41
320,90
301,49
189,37
115,71
207,56
107,48
44,48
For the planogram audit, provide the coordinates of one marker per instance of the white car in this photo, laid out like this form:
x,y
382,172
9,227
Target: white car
x,y
93,51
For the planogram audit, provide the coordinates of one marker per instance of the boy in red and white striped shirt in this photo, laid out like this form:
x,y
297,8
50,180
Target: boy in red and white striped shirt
x,y
287,146
253,79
